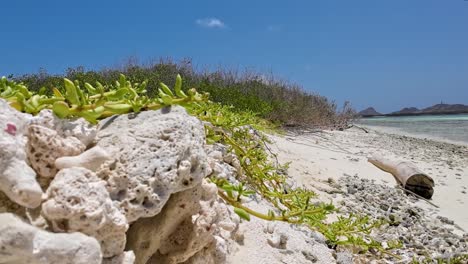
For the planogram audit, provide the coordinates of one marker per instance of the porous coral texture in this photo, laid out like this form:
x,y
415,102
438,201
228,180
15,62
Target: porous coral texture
x,y
155,154
45,145
224,165
77,200
76,127
192,221
17,179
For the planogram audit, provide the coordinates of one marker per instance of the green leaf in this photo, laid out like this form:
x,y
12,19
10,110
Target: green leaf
x,y
61,109
82,96
20,99
35,100
118,108
248,192
141,87
7,93
17,106
178,87
99,88
42,91
166,89
29,108
122,80
56,92
48,101
167,100
24,91
91,115
90,88
227,187
242,213
71,95
118,95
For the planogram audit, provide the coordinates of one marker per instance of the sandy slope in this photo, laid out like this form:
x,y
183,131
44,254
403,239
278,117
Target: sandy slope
x,y
322,157
315,157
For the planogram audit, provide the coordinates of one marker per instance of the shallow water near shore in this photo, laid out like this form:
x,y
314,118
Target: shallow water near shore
x,y
449,128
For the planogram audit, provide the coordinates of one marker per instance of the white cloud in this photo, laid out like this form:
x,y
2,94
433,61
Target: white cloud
x,y
274,28
210,23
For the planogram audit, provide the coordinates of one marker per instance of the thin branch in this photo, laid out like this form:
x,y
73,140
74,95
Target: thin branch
x,y
363,129
417,195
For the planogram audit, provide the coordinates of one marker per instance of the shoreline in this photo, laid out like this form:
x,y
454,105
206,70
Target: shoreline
x,y
418,114
399,132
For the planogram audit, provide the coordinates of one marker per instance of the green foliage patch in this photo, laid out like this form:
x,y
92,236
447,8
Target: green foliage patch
x,y
242,132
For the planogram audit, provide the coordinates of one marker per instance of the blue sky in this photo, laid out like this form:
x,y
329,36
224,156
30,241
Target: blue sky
x,y
386,54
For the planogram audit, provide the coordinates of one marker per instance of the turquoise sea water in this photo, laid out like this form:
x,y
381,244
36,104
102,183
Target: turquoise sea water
x,y
452,128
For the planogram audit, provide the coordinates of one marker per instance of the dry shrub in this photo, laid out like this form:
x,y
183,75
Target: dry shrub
x,y
271,98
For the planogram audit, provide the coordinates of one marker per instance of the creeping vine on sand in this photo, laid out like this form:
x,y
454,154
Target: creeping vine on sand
x,y
226,126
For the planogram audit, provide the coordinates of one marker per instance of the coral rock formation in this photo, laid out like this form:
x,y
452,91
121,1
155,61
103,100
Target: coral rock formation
x,y
192,222
78,128
91,159
17,179
156,153
77,200
23,243
45,145
144,169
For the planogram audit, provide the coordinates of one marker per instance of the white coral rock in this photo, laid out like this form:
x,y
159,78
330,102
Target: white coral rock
x,y
45,145
91,159
78,127
190,226
128,257
77,200
156,153
17,179
23,243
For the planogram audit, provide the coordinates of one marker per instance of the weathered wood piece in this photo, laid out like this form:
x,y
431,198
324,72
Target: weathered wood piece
x,y
407,174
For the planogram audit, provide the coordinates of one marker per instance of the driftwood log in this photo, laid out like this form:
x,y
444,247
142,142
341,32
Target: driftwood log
x,y
407,174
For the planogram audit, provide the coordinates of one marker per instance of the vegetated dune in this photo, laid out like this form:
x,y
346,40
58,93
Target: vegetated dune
x,y
279,101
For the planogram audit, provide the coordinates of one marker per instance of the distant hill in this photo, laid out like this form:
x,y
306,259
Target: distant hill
x,y
446,108
406,111
370,111
433,110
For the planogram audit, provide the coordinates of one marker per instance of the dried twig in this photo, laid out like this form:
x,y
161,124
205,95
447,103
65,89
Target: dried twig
x,y
363,129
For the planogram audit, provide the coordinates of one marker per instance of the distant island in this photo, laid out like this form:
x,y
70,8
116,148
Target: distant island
x,y
370,111
437,109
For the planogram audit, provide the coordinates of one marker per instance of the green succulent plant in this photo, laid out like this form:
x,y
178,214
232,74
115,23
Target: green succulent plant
x,y
98,101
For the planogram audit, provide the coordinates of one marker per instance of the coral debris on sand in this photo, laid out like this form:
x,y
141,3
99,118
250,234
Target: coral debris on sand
x,y
422,236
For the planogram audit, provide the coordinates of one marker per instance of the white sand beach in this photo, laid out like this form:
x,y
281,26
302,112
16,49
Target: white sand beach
x,y
316,157
327,161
